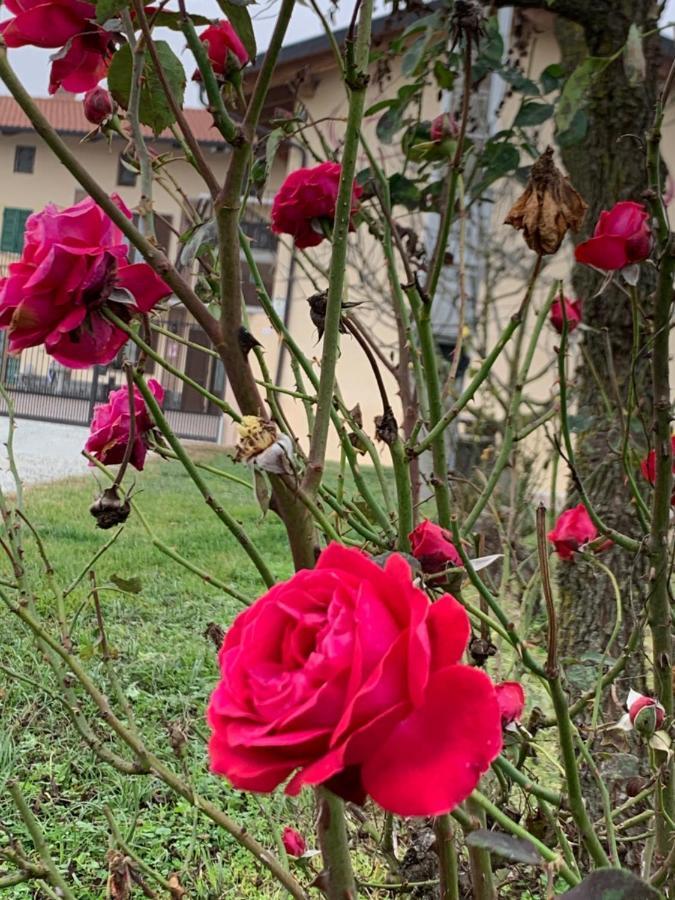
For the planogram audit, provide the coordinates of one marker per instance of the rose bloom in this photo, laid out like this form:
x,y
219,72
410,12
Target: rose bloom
x,y
432,547
97,105
444,126
110,427
225,51
307,195
648,467
72,261
573,530
573,314
69,24
511,700
622,236
347,675
294,843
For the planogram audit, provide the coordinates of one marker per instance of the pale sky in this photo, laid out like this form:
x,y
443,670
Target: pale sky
x,y
32,64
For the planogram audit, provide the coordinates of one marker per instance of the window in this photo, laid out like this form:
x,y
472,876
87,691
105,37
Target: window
x,y
13,226
24,159
125,176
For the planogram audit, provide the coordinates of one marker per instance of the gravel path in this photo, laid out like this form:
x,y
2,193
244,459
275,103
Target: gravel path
x,y
44,451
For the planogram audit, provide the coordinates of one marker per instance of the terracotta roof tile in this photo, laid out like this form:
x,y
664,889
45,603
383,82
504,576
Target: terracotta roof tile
x,y
66,116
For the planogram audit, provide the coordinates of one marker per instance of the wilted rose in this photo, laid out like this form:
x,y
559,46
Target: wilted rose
x,y
111,426
548,208
432,547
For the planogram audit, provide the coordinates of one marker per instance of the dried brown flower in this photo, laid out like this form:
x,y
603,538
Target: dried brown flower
x,y
548,207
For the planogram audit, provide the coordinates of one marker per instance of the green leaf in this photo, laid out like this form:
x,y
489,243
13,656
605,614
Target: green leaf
x,y
380,105
403,191
512,848
444,75
132,585
109,9
573,96
612,884
166,19
491,52
498,159
552,77
240,19
414,54
154,109
518,81
532,113
576,132
389,124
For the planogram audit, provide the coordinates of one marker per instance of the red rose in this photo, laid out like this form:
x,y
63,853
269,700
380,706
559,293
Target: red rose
x,y
432,547
444,126
97,105
73,261
111,423
621,237
648,467
348,676
226,52
294,843
511,700
573,530
70,24
573,314
306,197
641,702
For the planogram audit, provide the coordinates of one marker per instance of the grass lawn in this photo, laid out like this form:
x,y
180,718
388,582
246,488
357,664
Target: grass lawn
x,y
167,668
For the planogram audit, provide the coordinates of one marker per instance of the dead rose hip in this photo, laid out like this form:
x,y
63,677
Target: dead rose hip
x,y
573,529
432,547
306,199
97,105
110,427
573,314
622,236
225,50
73,264
346,675
70,24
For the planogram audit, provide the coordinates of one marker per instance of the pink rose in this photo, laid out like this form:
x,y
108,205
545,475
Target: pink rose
x,y
110,427
621,237
573,314
444,126
225,51
347,675
307,197
69,24
511,700
648,467
73,263
98,105
294,843
432,547
573,530
645,714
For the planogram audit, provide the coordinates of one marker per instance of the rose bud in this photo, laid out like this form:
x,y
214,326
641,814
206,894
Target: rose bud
x,y
225,50
645,714
511,700
294,843
98,105
432,547
573,314
621,237
444,126
648,467
573,530
548,208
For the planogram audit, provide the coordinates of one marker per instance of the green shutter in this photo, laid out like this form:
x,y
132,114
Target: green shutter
x,y
13,227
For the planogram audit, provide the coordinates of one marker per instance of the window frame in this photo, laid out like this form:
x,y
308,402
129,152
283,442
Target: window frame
x,y
20,149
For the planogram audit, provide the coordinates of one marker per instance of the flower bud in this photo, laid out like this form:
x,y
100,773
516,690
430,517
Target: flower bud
x,y
294,843
444,126
98,105
646,715
511,701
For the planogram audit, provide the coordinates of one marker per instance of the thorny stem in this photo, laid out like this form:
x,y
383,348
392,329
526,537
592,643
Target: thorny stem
x,y
552,636
131,439
447,858
334,845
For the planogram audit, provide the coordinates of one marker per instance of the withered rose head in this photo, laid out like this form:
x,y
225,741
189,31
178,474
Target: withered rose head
x,y
548,208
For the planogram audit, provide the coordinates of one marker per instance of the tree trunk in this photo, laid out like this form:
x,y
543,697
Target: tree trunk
x,y
607,166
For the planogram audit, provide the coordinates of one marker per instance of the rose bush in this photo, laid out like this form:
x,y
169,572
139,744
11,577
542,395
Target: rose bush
x,y
573,529
305,199
225,51
73,262
110,427
432,547
70,24
573,314
622,236
347,675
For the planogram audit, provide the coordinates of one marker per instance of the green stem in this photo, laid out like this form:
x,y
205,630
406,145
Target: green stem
x,y
335,847
357,81
480,861
447,858
403,494
531,787
229,521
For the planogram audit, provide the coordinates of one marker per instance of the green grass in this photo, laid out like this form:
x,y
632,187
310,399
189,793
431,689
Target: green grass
x,y
168,669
